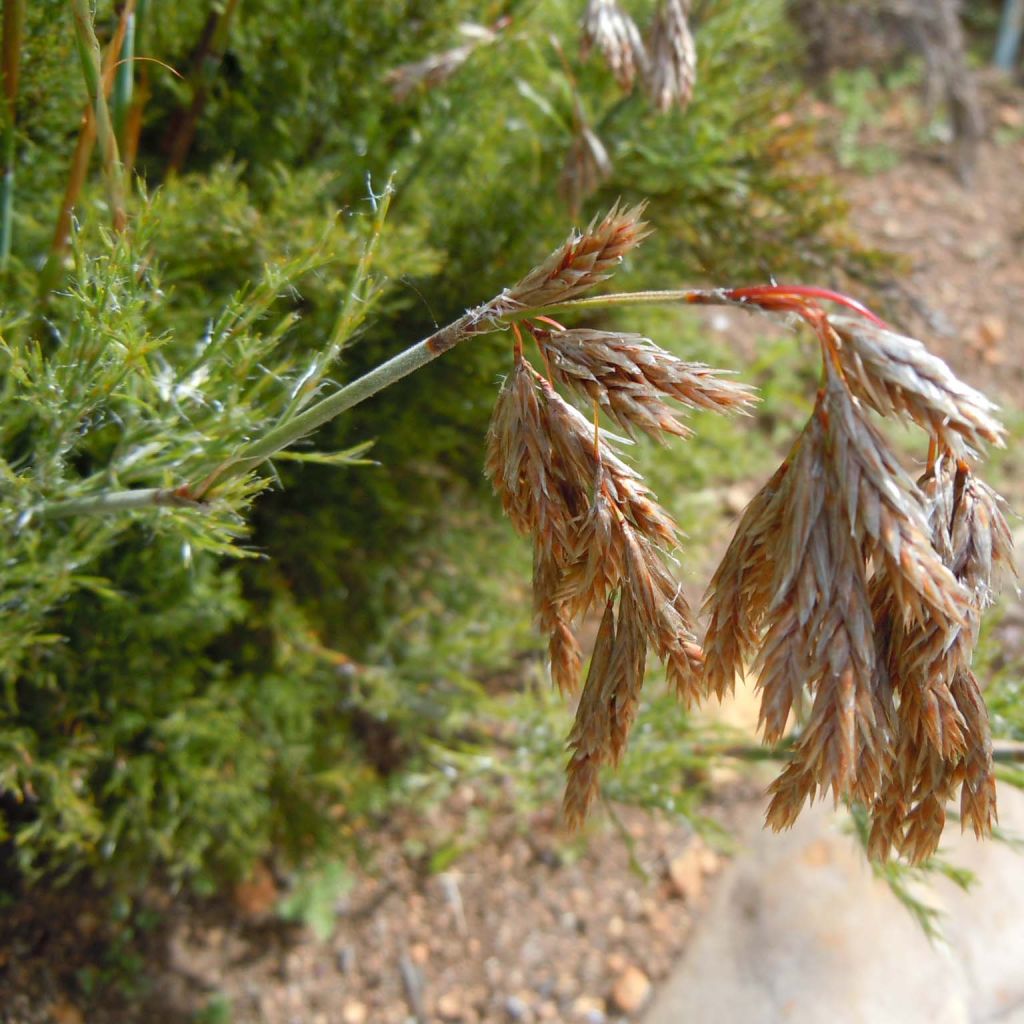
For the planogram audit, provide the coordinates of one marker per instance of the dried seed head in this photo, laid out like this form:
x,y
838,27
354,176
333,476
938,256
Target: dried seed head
x,y
873,659
629,377
672,71
518,460
980,542
885,509
608,705
581,262
740,591
437,68
565,656
897,374
614,33
794,787
975,773
941,733
582,506
630,663
663,612
590,736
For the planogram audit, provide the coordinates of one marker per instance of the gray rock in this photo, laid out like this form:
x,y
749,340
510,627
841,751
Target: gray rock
x,y
799,931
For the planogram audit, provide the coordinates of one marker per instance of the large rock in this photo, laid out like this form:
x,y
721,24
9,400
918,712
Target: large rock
x,y
800,931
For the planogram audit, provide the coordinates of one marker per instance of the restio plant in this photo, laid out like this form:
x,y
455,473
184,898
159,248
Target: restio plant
x,y
192,677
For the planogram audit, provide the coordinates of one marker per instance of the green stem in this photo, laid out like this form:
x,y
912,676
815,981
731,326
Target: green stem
x,y
479,321
119,501
92,64
485,319
124,80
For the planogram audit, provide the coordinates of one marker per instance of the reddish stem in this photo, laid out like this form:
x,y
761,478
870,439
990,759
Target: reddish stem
x,y
517,347
778,294
548,320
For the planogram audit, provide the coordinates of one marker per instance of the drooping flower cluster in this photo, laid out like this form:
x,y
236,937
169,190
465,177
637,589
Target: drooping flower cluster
x,y
600,539
615,34
855,591
850,590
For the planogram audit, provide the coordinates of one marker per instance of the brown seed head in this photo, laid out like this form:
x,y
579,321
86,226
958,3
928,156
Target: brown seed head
x,y
942,737
672,71
630,377
436,68
581,262
614,33
587,166
895,374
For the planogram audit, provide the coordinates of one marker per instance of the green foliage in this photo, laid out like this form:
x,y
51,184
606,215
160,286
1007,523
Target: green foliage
x,y
185,688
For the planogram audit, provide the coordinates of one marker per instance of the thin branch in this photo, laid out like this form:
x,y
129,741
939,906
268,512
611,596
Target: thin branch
x,y
124,75
119,501
484,319
92,70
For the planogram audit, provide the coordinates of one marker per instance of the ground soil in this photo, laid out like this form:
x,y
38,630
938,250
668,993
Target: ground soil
x,y
522,927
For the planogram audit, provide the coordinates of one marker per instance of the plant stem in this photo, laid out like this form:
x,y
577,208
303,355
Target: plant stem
x,y
119,501
479,321
140,94
92,70
79,170
491,316
13,27
124,76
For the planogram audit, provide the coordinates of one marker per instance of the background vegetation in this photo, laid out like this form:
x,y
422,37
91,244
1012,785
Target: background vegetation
x,y
183,690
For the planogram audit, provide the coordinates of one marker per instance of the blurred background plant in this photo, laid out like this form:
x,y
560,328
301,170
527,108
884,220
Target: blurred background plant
x,y
186,691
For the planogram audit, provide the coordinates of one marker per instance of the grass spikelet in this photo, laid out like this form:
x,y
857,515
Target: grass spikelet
x,y
582,261
590,737
738,594
886,509
630,377
672,69
942,733
436,68
609,29
975,773
895,374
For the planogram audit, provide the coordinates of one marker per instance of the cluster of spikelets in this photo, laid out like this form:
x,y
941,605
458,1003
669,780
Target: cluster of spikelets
x,y
665,62
853,593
